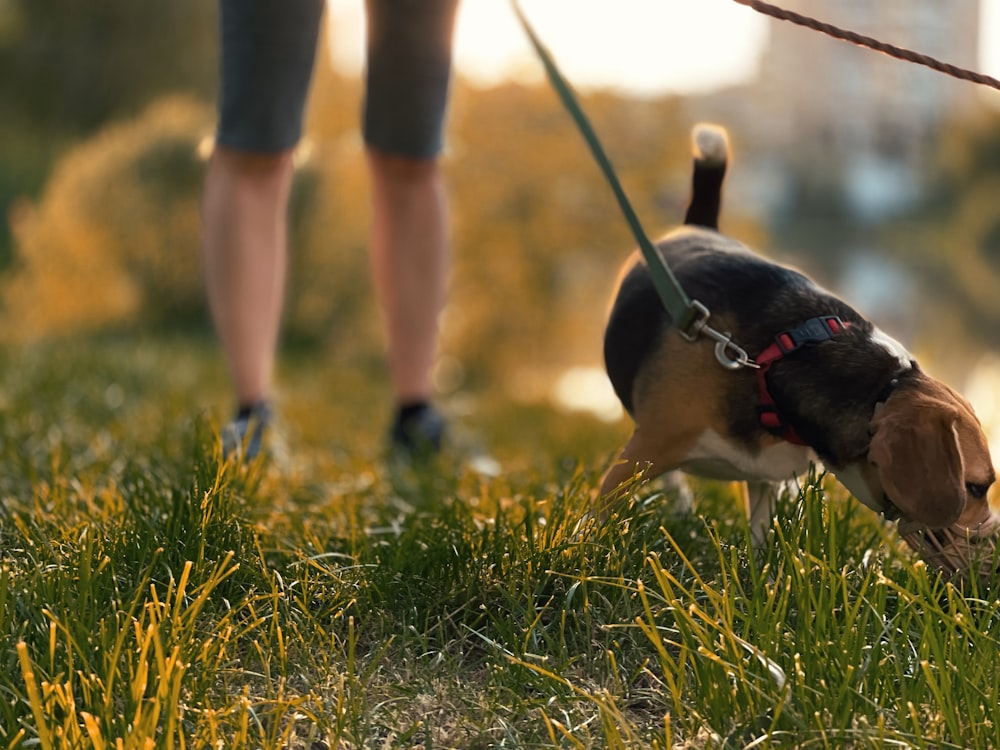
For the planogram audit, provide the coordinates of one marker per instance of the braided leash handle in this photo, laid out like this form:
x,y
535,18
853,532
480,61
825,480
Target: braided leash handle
x,y
900,53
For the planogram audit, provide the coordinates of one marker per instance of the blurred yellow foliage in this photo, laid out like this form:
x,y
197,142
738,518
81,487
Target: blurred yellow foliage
x,y
537,235
115,235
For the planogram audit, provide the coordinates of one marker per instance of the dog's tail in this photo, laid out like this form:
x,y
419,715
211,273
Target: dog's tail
x,y
710,146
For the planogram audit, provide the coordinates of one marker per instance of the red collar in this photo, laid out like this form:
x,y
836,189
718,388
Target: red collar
x,y
812,331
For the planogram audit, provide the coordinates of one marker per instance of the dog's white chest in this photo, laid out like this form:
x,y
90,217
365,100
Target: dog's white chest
x,y
714,457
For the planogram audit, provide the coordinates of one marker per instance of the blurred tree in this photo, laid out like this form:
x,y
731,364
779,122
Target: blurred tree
x,y
538,237
67,67
953,235
114,238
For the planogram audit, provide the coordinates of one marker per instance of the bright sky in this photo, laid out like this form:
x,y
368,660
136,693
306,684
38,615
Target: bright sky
x,y
641,46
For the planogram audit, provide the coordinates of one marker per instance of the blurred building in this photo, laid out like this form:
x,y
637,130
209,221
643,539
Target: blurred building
x,y
850,122
867,119
831,138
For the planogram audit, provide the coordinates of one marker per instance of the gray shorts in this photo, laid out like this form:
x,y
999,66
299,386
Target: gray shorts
x,y
268,50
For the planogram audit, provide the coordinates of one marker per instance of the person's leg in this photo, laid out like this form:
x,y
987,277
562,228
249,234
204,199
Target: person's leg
x,y
410,254
244,259
408,74
267,54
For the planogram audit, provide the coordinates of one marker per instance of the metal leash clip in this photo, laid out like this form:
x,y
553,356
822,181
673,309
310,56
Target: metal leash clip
x,y
723,341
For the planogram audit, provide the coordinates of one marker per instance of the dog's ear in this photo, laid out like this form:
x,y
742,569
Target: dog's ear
x,y
915,448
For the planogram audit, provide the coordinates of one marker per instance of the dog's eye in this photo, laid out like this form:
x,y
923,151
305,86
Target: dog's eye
x,y
977,490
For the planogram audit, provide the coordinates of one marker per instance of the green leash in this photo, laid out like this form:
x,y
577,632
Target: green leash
x,y
689,316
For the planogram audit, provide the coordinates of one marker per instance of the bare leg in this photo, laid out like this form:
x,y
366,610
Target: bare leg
x,y
410,256
244,248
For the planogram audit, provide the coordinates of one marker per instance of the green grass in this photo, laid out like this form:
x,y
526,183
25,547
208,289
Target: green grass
x,y
151,596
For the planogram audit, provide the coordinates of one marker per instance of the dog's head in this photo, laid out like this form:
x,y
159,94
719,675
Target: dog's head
x,y
929,455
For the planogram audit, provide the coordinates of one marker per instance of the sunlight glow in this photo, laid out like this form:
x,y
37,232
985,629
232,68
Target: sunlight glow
x,y
643,47
989,37
587,389
640,47
982,391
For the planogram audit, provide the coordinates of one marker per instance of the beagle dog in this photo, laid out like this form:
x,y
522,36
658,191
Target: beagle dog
x,y
829,386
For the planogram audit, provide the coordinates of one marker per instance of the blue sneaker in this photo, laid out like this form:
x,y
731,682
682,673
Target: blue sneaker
x,y
243,437
420,436
417,433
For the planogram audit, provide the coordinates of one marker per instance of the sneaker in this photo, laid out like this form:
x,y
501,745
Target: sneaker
x,y
243,437
423,435
417,435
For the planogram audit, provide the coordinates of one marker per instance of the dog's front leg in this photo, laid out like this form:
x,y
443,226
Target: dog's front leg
x,y
674,484
760,501
618,482
761,498
643,456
